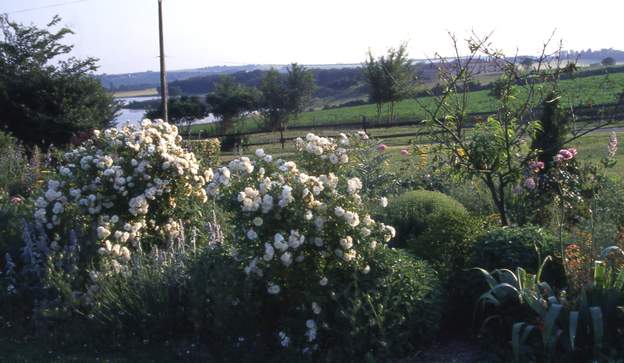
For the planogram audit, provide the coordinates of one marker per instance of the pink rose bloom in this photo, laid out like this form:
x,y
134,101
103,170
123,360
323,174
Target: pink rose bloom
x,y
404,152
536,166
565,154
529,183
381,147
572,151
17,200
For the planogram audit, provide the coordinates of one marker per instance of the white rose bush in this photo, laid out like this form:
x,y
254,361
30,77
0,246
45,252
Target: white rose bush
x,y
130,187
299,235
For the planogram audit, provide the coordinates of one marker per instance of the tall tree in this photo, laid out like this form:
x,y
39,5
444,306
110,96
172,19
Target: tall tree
x,y
300,86
390,77
285,97
230,100
44,100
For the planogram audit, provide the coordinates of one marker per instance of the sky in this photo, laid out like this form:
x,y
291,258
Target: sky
x,y
123,34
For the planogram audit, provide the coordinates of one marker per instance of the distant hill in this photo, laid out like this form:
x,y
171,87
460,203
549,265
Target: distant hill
x,y
151,79
594,56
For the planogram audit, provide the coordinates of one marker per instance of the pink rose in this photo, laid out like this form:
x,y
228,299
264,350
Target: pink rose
x,y
565,154
17,200
536,166
381,147
404,152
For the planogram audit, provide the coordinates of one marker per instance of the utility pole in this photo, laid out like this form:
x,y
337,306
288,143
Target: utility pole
x,y
163,72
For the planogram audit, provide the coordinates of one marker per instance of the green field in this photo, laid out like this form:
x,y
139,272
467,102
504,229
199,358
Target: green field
x,y
591,90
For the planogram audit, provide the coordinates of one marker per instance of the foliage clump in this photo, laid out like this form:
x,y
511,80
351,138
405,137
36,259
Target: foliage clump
x,y
435,227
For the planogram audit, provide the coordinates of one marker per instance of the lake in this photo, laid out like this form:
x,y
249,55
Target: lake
x,y
135,116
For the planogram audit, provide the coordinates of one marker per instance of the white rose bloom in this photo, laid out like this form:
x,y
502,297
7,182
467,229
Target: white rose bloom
x,y
102,232
323,281
252,235
316,308
384,202
273,289
286,258
269,252
339,211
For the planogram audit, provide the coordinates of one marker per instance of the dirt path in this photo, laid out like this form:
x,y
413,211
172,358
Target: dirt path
x,y
449,351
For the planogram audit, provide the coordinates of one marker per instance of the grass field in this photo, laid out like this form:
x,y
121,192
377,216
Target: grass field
x,y
592,90
138,93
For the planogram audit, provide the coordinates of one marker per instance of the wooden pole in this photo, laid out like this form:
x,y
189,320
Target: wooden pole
x,y
164,93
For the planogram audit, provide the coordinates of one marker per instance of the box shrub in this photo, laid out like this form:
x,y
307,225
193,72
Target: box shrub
x,y
435,227
206,151
513,247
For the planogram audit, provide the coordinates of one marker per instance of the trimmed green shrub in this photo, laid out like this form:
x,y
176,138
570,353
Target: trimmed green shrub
x,y
513,247
389,312
435,227
206,151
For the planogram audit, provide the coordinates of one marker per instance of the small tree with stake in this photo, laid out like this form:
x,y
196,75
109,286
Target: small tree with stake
x,y
495,150
390,78
285,97
229,100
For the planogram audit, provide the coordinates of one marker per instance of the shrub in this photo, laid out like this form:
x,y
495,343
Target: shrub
x,y
435,227
206,151
124,187
513,247
389,312
302,237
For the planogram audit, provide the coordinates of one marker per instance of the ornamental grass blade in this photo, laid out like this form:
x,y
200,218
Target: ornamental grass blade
x,y
519,334
573,325
491,281
535,303
550,320
541,269
611,249
598,328
506,275
600,274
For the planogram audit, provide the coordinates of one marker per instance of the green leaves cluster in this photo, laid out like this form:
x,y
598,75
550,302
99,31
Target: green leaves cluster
x,y
44,100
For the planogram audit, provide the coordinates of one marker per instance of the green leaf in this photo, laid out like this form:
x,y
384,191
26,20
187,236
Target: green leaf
x,y
598,327
491,281
573,324
519,334
548,336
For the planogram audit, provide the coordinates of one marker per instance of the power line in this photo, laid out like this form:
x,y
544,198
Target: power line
x,y
47,6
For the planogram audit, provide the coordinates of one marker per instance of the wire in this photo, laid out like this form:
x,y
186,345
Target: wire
x,y
47,6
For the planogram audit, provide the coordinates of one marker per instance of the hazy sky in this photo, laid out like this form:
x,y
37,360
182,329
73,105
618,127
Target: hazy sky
x,y
124,33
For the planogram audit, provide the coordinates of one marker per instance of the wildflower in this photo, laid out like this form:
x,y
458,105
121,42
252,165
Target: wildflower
x,y
405,152
382,147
